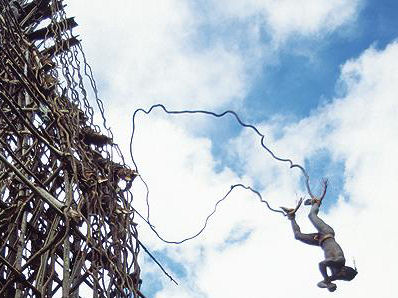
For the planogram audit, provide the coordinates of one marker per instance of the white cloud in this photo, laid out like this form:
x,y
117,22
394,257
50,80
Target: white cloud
x,y
180,170
143,51
146,52
285,18
149,51
360,129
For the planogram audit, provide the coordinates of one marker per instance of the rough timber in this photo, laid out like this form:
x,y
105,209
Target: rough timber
x,y
66,220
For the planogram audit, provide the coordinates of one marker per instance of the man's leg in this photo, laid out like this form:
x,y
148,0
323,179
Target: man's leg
x,y
291,215
306,238
318,223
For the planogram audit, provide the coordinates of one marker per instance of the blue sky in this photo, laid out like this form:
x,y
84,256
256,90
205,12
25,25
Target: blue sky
x,y
318,78
303,84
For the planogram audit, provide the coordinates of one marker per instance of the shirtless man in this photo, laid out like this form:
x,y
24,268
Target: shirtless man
x,y
334,256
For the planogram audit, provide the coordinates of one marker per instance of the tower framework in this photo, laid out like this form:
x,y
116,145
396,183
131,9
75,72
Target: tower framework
x,y
66,217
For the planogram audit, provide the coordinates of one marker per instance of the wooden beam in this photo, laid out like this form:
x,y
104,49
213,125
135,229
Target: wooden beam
x,y
36,12
52,30
60,47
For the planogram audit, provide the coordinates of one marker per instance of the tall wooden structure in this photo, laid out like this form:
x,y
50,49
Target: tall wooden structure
x,y
66,216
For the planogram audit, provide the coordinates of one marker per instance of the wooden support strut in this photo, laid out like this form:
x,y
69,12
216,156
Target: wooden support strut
x,y
34,12
53,202
20,275
61,46
52,30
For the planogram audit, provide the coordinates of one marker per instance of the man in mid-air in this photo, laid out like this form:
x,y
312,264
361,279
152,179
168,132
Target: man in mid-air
x,y
334,256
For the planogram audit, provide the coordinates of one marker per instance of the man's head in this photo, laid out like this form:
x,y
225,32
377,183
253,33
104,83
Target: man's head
x,y
346,273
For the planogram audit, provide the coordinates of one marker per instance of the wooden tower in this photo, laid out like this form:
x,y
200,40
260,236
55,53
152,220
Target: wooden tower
x,y
66,215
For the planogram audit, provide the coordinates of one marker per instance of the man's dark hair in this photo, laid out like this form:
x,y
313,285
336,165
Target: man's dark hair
x,y
347,273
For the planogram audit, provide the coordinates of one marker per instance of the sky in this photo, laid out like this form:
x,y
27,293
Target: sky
x,y
318,78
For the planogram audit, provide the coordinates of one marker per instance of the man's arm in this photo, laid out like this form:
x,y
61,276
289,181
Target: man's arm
x,y
335,264
322,268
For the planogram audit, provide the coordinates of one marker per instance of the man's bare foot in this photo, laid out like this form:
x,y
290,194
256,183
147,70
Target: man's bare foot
x,y
290,212
312,201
